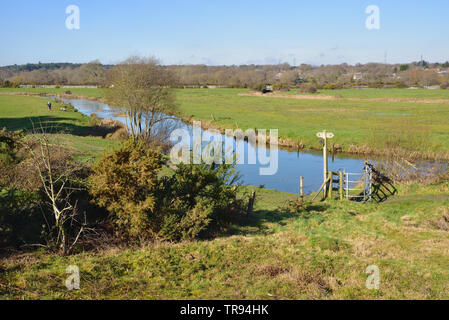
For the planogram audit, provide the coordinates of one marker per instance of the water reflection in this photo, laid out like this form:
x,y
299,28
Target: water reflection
x,y
291,164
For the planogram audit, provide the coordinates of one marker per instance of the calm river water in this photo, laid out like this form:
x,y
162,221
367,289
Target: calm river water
x,y
291,165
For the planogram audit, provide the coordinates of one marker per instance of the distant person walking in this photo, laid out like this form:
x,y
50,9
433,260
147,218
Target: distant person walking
x,y
49,105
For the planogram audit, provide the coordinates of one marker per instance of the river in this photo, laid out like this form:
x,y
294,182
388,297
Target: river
x,y
291,164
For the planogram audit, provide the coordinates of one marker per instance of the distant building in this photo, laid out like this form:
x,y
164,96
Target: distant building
x,y
443,72
357,76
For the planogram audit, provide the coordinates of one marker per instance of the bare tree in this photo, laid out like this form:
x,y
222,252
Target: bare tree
x,y
143,89
56,171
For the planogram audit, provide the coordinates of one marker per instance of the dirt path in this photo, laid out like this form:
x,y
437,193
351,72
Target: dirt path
x,y
323,97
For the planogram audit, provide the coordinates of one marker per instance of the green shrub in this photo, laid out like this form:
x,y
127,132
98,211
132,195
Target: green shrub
x,y
307,88
21,221
400,85
258,87
376,85
94,120
281,87
197,200
124,183
8,84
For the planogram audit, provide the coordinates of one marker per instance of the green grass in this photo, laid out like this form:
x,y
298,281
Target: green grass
x,y
319,253
385,93
72,129
358,126
86,92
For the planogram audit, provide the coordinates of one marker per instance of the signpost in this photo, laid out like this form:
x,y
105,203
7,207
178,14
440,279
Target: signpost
x,y
325,135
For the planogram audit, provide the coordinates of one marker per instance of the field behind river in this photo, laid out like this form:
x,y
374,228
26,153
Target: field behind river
x,y
359,126
414,122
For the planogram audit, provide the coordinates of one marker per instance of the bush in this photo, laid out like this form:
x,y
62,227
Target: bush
x,y
400,85
329,86
197,200
94,120
376,85
281,87
21,222
10,154
124,182
444,86
8,84
9,147
258,87
307,88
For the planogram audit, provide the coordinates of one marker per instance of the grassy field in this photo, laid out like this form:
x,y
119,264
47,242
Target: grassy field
x,y
71,128
86,92
359,126
321,252
368,93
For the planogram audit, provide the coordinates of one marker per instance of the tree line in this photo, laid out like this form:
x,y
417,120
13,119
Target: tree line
x,y
420,73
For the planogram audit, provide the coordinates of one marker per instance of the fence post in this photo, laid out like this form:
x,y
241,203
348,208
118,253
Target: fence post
x,y
252,198
331,180
301,183
325,164
341,185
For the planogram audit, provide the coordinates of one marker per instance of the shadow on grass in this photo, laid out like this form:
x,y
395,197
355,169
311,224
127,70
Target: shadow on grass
x,y
259,221
54,125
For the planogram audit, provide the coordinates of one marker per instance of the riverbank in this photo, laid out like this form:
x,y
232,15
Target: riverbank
x,y
366,128
72,129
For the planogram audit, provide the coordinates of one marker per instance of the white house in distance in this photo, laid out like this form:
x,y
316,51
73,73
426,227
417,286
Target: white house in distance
x,y
357,76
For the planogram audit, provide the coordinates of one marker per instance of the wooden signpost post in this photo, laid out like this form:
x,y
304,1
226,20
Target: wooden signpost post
x,y
325,135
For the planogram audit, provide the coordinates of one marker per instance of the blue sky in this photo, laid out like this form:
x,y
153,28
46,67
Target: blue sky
x,y
219,32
